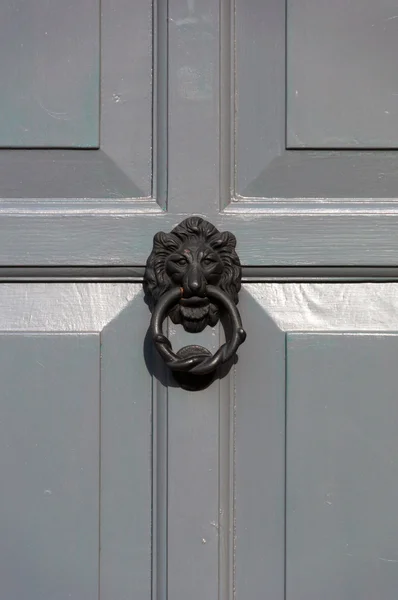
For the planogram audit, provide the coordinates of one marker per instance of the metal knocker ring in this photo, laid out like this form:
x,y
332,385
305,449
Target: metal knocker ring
x,y
193,275
200,362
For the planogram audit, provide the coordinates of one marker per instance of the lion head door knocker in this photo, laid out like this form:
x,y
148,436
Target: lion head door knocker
x,y
193,275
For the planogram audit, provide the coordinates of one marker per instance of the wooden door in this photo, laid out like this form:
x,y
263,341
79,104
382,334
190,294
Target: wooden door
x,y
277,121
76,169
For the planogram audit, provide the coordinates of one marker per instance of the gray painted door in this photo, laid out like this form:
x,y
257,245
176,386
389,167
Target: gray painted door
x,y
75,431
278,121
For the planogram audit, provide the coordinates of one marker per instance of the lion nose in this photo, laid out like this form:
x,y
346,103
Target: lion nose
x,y
195,282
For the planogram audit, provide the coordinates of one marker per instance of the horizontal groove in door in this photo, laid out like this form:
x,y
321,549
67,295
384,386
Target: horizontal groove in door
x,y
250,274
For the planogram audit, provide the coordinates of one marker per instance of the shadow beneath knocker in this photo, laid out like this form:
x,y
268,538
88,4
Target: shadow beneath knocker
x,y
155,364
225,368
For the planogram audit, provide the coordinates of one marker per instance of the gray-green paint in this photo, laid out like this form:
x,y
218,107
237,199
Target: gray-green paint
x,y
342,81
324,365
341,488
49,466
191,499
50,73
75,424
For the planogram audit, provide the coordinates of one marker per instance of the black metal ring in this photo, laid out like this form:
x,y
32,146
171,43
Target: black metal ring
x,y
201,364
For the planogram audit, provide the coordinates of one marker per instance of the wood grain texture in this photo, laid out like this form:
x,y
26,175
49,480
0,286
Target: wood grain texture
x,y
38,235
329,307
191,498
306,209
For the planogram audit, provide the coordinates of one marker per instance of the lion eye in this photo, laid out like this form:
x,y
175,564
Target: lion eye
x,y
181,261
208,261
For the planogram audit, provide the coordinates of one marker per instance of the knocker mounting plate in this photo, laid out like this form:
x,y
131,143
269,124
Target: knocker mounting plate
x,y
192,275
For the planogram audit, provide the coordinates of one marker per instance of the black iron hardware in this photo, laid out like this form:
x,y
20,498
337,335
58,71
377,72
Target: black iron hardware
x,y
193,275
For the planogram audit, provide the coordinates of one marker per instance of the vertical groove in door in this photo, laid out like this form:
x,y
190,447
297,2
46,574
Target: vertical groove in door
x,y
285,79
232,496
160,101
226,99
285,477
226,529
159,488
99,464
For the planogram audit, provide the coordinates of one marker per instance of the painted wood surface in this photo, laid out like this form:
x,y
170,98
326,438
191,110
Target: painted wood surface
x,y
342,83
50,74
196,107
76,442
315,442
341,462
191,491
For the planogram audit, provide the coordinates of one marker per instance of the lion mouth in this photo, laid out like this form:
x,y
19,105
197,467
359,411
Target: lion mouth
x,y
194,308
194,301
194,312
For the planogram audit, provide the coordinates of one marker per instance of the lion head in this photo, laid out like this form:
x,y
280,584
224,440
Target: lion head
x,y
191,256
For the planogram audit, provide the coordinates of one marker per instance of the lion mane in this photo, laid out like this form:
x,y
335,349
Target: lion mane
x,y
157,281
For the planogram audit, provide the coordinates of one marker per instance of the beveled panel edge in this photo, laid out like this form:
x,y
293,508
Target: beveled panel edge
x,y
63,207
341,307
65,307
62,175
259,45
322,180
127,87
126,170
259,128
311,206
259,448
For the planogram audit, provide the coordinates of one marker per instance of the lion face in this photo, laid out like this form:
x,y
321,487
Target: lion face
x,y
195,254
192,267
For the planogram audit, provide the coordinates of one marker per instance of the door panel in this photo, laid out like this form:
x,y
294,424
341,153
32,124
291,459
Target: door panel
x,y
76,438
341,78
315,444
50,465
341,460
191,494
77,129
73,75
50,61
180,87
339,182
